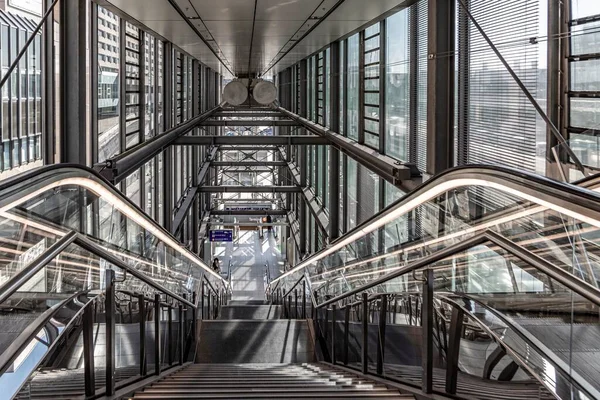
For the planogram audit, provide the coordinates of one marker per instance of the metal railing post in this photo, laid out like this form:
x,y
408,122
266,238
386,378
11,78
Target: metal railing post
x,y
181,333
88,350
456,327
427,327
208,307
202,301
289,313
194,316
142,317
346,333
381,334
157,312
303,299
295,303
110,331
170,334
333,324
365,333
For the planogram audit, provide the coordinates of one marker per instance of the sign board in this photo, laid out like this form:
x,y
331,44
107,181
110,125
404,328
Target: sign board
x,y
221,235
31,6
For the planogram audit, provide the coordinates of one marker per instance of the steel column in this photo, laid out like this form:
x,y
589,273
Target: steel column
x,y
88,350
48,90
304,299
427,331
440,85
346,333
381,334
456,327
73,75
365,333
333,326
157,355
181,333
142,317
109,306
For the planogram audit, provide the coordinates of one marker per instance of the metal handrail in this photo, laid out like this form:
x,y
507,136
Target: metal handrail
x,y
554,360
17,346
16,188
520,331
558,196
568,280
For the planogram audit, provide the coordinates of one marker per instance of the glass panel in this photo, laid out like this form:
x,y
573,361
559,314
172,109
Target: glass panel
x,y
397,100
584,8
585,38
109,140
585,75
584,113
353,62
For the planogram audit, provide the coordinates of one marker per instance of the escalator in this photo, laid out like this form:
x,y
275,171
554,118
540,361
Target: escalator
x,y
496,270
94,295
482,283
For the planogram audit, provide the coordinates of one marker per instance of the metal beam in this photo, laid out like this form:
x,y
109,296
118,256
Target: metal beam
x,y
249,189
249,163
248,148
182,211
249,212
251,140
386,167
243,123
310,199
249,114
119,167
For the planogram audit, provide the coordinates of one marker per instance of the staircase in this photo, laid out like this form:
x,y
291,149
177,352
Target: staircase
x,y
249,353
266,381
252,332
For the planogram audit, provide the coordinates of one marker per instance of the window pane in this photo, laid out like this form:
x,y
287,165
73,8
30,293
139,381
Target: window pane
x,y
109,141
585,38
584,113
397,95
353,57
584,8
585,75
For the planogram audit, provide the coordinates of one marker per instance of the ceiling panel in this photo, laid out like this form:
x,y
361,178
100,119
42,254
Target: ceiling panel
x,y
224,10
227,26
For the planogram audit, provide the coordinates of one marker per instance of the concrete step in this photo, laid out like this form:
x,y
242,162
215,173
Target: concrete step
x,y
266,381
247,302
250,312
254,341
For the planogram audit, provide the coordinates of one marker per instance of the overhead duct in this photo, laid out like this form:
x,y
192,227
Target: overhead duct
x,y
254,92
235,93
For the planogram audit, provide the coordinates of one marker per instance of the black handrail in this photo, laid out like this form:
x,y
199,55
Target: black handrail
x,y
44,176
563,277
517,329
566,196
16,347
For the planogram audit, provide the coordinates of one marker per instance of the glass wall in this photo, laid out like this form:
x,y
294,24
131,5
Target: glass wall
x,y
353,77
397,89
109,70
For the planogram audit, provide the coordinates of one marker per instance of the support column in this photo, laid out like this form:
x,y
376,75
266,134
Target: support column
x,y
334,154
195,158
557,73
73,78
48,90
168,153
440,88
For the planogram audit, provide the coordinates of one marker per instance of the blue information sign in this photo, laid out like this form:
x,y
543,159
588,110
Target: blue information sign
x,y
221,235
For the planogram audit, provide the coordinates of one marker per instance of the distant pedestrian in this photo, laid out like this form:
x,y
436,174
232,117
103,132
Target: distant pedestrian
x,y
269,221
216,266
